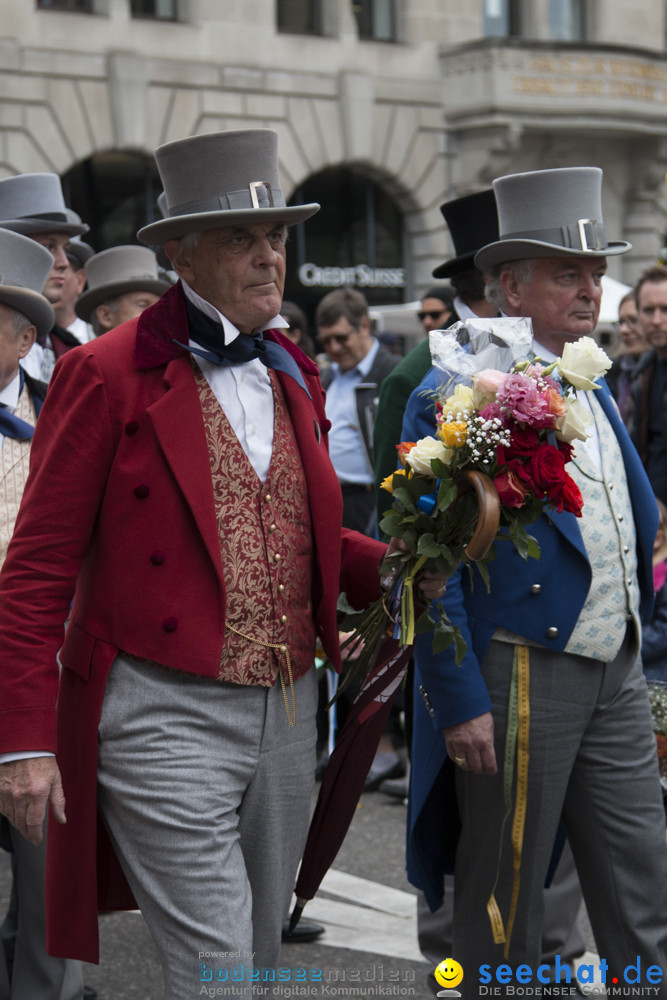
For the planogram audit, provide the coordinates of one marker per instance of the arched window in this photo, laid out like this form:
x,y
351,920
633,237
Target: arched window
x,y
355,239
115,193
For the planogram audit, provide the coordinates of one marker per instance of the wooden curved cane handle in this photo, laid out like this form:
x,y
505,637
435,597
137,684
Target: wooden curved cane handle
x,y
488,503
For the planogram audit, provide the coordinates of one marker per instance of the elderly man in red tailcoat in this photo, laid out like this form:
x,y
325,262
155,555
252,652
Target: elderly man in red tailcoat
x,y
182,495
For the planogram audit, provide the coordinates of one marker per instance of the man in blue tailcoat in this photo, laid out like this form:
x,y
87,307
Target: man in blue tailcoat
x,y
573,619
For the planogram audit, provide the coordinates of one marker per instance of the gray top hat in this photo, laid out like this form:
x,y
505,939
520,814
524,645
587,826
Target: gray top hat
x,y
549,213
34,203
221,179
117,271
24,268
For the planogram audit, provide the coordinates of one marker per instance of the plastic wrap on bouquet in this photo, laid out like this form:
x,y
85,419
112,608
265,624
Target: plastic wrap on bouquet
x,y
472,345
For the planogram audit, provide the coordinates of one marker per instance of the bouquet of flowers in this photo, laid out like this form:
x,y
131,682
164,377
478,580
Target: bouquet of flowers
x,y
504,424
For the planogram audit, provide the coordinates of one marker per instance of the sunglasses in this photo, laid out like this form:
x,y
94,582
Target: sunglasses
x,y
431,315
340,338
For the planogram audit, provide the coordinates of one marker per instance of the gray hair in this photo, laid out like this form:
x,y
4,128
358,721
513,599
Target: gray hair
x,y
521,270
19,321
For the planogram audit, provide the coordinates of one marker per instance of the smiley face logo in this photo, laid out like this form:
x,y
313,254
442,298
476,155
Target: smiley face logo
x,y
449,973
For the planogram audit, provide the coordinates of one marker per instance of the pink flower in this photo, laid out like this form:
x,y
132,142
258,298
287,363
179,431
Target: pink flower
x,y
521,397
489,381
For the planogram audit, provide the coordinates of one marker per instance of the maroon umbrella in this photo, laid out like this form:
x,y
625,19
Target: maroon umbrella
x,y
345,774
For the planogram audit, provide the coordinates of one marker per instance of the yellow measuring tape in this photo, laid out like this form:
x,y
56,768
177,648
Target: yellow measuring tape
x,y
516,748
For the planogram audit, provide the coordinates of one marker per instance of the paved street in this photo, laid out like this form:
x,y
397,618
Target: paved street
x,y
365,903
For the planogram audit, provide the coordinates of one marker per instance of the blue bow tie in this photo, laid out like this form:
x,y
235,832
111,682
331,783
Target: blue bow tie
x,y
13,427
209,334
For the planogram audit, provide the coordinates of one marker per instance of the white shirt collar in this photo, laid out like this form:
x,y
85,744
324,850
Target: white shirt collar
x,y
9,396
229,331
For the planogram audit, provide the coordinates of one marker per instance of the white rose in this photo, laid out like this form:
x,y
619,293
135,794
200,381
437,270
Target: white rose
x,y
576,424
420,457
582,362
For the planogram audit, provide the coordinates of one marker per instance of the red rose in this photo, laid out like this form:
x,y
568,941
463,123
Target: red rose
x,y
523,441
566,449
513,489
567,496
547,468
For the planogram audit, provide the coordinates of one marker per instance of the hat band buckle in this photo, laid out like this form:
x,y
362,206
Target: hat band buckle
x,y
258,195
584,230
261,189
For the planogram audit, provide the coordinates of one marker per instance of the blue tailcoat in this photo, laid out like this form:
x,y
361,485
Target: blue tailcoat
x,y
446,694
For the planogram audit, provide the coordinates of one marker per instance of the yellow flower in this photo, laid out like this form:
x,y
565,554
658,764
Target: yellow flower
x,y
387,484
454,434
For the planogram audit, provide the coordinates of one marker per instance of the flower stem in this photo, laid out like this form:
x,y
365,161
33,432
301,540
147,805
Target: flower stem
x,y
408,604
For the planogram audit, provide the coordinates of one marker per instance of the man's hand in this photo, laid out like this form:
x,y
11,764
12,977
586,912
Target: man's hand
x,y
431,585
470,744
26,787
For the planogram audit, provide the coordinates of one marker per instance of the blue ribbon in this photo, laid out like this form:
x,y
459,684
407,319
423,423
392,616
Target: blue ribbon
x,y
209,334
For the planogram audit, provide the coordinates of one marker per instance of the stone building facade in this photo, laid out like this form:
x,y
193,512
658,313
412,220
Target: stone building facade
x,y
386,108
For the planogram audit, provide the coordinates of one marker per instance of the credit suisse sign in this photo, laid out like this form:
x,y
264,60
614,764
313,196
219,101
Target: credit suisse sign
x,y
359,275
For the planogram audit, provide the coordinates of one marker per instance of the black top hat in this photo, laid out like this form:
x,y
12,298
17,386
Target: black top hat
x,y
472,222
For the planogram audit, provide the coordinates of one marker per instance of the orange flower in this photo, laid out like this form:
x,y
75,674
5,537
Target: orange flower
x,y
404,449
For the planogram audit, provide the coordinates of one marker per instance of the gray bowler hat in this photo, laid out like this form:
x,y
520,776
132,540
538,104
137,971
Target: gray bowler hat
x,y
34,203
24,268
221,179
549,213
117,271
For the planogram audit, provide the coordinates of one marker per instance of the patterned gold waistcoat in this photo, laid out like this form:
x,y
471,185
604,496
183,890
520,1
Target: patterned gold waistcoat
x,y
14,462
266,548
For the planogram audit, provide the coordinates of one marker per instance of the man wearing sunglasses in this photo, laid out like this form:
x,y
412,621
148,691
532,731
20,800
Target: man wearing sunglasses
x,y
437,307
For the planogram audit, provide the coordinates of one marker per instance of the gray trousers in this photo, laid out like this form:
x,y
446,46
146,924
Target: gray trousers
x,y
35,975
205,791
593,761
561,930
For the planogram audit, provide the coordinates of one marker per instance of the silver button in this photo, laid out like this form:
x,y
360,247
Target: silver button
x,y
536,588
552,633
620,517
626,549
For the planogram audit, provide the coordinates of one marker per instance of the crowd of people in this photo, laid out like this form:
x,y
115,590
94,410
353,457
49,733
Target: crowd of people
x,y
181,511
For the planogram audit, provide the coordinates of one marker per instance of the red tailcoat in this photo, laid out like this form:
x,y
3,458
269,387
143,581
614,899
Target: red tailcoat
x,y
119,512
